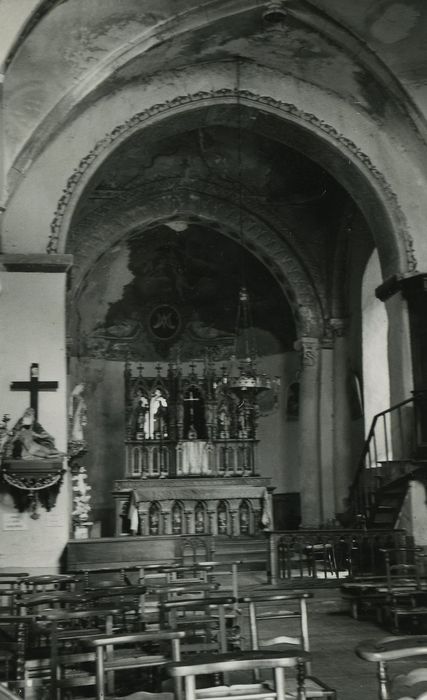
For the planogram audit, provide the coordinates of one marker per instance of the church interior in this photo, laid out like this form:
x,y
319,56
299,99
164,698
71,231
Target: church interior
x,y
213,287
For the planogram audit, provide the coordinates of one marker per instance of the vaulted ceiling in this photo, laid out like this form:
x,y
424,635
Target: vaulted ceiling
x,y
73,54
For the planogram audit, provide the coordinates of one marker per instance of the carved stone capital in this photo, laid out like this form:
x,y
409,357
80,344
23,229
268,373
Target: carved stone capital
x,y
309,350
338,327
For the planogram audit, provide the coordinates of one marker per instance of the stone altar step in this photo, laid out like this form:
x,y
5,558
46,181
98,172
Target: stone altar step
x,y
251,552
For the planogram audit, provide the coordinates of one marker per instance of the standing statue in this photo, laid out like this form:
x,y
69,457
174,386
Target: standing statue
x,y
223,422
141,417
158,414
77,412
29,440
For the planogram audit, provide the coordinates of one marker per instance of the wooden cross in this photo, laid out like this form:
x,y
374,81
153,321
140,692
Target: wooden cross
x,y
34,386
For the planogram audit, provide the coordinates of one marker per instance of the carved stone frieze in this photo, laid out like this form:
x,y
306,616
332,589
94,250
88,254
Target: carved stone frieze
x,y
85,169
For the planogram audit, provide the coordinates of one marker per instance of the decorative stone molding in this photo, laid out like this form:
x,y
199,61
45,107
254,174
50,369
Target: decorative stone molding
x,y
87,166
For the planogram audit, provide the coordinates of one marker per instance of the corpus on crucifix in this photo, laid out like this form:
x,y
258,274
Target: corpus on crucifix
x,y
194,423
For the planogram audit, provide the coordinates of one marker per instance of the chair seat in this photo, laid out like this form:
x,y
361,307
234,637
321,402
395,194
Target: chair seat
x,y
243,691
135,661
313,689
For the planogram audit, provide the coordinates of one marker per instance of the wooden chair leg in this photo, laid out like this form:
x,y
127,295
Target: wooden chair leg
x,y
383,681
100,685
190,688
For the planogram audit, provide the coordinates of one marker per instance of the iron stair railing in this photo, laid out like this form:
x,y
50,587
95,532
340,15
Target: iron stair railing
x,y
390,442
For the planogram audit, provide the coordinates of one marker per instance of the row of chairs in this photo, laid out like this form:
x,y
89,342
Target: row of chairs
x,y
397,600
118,627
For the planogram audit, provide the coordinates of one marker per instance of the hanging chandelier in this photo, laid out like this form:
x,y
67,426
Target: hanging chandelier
x,y
243,376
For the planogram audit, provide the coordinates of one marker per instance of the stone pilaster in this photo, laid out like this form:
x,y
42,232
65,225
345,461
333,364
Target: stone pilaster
x,y
343,458
309,439
327,427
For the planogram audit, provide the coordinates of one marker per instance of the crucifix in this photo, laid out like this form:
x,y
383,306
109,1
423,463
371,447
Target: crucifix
x,y
34,386
192,432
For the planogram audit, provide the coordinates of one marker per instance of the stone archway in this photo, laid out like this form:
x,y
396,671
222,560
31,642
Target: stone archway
x,y
270,246
311,135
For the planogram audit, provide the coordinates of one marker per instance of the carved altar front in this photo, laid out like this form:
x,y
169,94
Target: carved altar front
x,y
190,456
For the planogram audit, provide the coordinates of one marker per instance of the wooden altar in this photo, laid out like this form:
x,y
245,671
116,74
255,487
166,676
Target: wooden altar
x,y
190,455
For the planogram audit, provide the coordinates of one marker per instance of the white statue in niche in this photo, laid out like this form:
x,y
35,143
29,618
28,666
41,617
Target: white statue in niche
x,y
142,426
77,411
158,415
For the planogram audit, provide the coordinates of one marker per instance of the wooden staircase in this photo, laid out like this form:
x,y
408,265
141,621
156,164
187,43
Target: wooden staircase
x,y
389,498
389,461
388,503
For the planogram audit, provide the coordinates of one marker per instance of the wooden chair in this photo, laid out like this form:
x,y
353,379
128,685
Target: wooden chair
x,y
248,661
190,573
49,582
162,593
389,597
204,622
363,596
291,607
18,638
404,591
69,658
10,587
321,558
412,683
129,600
109,660
90,578
35,603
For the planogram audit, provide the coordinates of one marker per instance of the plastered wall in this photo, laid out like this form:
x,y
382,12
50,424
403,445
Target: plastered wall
x,y
32,330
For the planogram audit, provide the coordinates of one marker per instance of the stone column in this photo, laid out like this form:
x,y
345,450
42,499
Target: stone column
x,y
343,458
309,439
32,330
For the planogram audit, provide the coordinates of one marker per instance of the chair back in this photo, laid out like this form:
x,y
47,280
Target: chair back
x,y
240,662
409,682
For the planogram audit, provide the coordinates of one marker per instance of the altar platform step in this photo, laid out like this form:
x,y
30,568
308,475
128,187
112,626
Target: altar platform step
x,y
250,552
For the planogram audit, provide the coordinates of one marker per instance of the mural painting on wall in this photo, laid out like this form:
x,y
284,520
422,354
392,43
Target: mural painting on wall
x,y
177,297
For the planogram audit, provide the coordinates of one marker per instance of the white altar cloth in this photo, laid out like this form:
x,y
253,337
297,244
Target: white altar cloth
x,y
195,457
